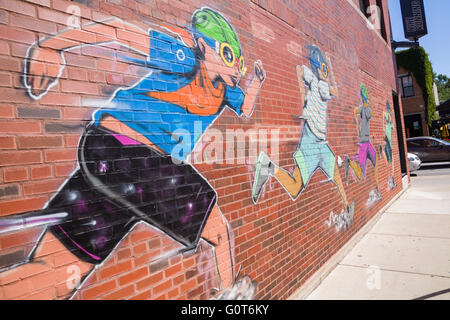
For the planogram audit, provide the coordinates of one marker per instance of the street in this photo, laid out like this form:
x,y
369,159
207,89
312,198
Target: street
x,y
406,255
431,169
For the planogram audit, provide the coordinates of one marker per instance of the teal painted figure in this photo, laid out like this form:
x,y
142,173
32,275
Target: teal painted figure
x,y
387,154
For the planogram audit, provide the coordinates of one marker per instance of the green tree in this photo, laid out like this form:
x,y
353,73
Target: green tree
x,y
443,85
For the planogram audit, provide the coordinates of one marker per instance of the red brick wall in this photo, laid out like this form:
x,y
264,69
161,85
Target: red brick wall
x,y
278,242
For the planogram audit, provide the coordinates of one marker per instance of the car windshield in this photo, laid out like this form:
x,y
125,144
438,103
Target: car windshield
x,y
444,142
436,142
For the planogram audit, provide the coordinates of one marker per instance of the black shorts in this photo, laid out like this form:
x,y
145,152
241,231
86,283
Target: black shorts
x,y
119,185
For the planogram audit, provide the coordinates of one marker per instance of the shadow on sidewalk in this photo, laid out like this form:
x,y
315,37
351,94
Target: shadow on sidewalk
x,y
435,165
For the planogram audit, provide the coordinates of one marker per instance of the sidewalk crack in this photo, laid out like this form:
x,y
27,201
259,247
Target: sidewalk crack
x,y
397,271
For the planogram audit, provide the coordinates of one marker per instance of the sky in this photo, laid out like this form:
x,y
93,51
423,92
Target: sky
x,y
437,42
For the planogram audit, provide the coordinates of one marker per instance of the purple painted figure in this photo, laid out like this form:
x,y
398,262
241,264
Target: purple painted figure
x,y
358,163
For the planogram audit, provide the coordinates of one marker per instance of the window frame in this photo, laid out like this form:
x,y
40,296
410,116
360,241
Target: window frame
x,y
411,86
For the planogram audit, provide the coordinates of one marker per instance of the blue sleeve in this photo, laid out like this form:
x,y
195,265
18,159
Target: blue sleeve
x,y
170,54
234,98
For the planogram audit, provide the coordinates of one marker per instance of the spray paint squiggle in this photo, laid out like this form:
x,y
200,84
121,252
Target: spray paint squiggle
x,y
341,222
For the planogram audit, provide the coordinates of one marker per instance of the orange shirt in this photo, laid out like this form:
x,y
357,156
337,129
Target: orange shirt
x,y
199,97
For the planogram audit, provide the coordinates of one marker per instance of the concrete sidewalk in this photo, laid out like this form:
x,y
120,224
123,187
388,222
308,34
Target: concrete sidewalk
x,y
406,255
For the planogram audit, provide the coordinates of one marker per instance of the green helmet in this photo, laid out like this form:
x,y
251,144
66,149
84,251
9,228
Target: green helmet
x,y
213,25
364,94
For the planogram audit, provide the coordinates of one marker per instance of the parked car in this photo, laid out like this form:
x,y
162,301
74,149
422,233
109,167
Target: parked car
x,y
429,149
414,162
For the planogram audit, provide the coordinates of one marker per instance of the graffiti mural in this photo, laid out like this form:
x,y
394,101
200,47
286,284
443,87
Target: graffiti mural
x,y
313,151
388,124
340,222
243,289
133,157
358,163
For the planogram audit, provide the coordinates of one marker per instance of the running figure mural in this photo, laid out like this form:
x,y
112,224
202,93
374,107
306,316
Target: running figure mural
x,y
133,157
313,151
387,154
358,163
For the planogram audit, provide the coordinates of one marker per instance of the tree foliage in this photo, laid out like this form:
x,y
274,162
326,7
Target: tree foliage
x,y
416,60
443,85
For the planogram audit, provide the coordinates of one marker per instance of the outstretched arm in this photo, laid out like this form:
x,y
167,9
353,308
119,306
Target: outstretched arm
x,y
332,81
45,60
357,116
108,30
300,83
253,89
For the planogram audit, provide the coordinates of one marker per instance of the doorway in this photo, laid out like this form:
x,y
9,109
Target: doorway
x,y
413,126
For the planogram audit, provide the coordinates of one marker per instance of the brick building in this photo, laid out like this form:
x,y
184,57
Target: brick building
x,y
413,105
178,149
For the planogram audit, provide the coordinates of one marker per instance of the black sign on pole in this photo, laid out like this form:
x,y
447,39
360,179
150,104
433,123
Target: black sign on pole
x,y
414,21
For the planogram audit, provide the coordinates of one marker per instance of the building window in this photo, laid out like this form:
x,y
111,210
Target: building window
x,y
407,86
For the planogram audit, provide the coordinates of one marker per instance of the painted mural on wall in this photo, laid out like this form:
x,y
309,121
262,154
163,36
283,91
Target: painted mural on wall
x,y
313,150
366,150
133,158
388,124
135,167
